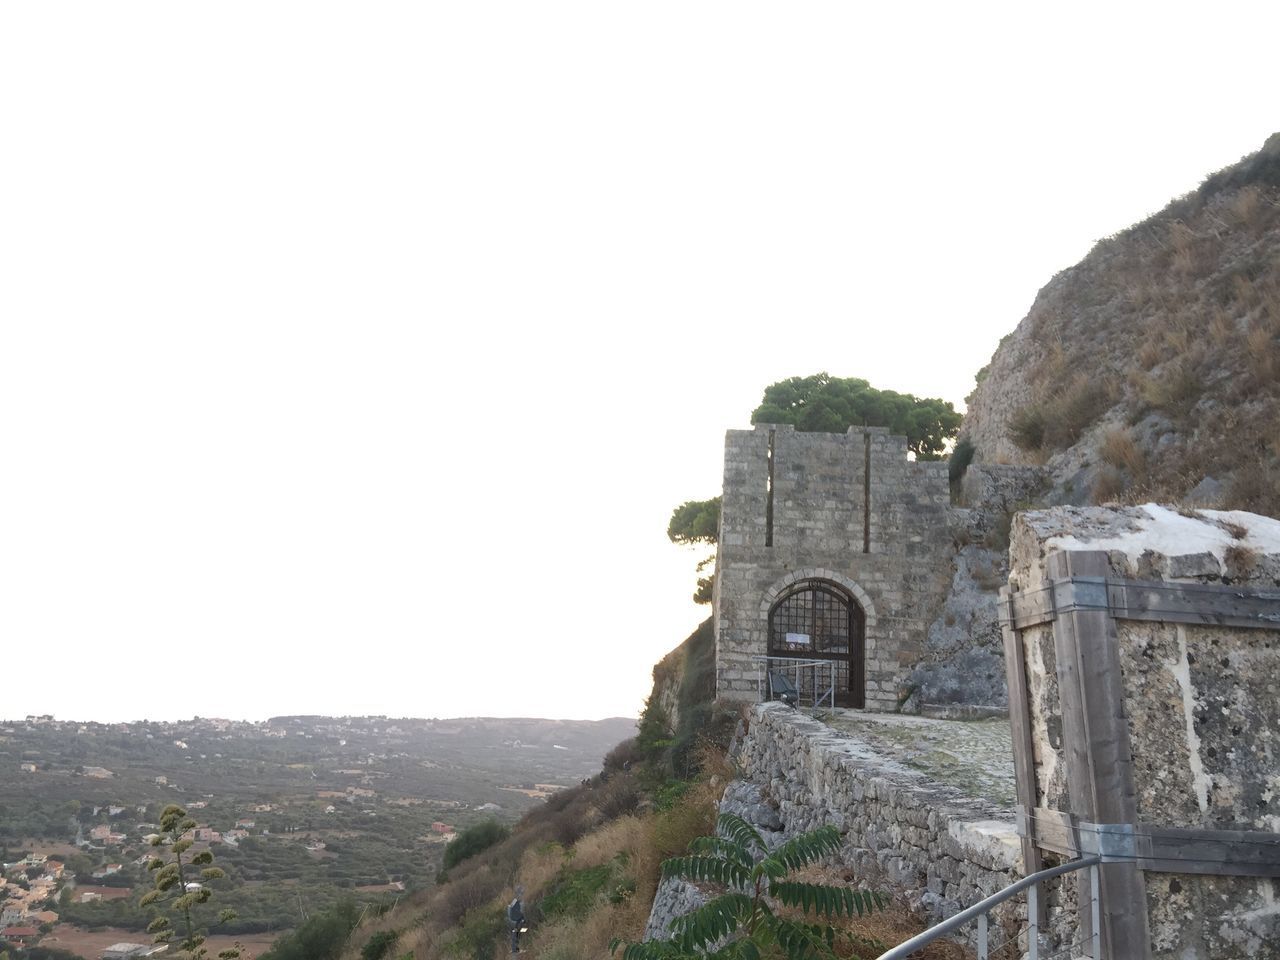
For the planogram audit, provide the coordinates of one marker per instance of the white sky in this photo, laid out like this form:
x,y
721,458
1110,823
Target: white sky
x,y
354,355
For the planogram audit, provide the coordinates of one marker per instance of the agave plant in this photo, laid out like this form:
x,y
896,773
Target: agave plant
x,y
175,886
741,924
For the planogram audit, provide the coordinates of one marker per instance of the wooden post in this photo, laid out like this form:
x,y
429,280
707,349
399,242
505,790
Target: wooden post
x,y
1024,767
1096,747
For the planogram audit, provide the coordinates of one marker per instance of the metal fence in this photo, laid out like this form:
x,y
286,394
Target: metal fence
x,y
813,680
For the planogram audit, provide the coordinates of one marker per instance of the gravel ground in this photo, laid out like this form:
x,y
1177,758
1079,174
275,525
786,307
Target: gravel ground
x,y
975,756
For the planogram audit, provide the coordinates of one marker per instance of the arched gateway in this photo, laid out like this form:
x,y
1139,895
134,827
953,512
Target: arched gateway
x,y
820,620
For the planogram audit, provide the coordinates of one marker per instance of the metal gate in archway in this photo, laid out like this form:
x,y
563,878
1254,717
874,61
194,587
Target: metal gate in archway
x,y
820,620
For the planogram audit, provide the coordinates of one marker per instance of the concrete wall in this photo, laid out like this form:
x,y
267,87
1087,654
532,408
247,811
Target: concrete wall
x,y
1201,706
849,508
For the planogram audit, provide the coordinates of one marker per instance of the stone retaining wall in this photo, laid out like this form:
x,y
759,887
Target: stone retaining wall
x,y
923,842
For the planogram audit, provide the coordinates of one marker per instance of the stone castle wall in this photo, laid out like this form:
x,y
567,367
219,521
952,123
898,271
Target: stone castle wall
x,y
847,508
904,833
1200,708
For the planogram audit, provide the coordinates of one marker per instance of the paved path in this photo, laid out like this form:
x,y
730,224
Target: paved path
x,y
975,756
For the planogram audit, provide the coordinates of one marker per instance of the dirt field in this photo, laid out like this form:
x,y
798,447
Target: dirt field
x,y
67,936
59,851
107,893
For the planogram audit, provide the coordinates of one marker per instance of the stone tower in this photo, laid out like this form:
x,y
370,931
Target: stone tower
x,y
833,547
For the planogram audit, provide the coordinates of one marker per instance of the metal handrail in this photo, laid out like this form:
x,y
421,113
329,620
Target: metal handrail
x,y
798,664
980,910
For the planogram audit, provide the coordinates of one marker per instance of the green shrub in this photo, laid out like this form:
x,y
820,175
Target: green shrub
x,y
321,937
670,793
473,840
961,457
479,934
577,891
738,862
575,894
379,945
465,894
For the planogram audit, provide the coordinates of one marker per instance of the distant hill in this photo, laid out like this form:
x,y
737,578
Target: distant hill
x,y
1151,369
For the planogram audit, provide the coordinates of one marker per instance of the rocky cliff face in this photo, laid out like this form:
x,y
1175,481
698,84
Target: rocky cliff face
x,y
1151,369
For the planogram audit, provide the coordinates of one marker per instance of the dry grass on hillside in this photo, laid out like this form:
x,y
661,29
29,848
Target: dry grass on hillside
x,y
575,832
872,934
1175,325
464,917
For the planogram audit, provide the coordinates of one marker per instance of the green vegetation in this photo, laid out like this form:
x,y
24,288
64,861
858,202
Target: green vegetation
x,y
694,522
737,859
690,672
579,890
823,403
474,839
379,945
176,886
321,937
961,456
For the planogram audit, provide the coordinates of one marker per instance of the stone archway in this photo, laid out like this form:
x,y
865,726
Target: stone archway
x,y
817,614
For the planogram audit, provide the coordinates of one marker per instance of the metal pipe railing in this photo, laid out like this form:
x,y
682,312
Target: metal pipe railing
x,y
801,665
982,908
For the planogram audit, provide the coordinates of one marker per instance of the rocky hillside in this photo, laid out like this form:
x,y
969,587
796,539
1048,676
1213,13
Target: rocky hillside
x,y
1151,369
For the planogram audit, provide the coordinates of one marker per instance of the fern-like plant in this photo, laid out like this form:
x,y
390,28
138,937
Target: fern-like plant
x,y
741,924
176,887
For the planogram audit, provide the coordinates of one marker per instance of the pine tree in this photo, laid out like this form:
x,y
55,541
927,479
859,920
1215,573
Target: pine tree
x,y
741,924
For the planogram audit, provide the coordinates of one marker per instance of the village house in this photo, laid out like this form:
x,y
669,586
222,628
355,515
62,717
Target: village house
x,y
100,832
19,936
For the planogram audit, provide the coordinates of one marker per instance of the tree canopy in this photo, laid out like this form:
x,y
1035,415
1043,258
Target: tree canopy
x,y
823,403
695,521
